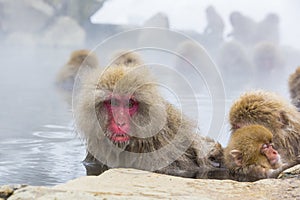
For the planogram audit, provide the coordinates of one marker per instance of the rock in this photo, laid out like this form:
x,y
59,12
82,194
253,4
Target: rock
x,y
291,172
137,184
8,190
27,15
64,32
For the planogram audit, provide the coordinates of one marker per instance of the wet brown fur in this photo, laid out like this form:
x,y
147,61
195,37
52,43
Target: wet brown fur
x,y
294,87
248,140
273,112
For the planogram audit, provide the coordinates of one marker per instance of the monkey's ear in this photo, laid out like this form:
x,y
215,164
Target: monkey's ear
x,y
237,156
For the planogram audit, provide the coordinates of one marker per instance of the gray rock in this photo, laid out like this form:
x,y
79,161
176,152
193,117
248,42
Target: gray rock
x,y
8,190
292,172
137,184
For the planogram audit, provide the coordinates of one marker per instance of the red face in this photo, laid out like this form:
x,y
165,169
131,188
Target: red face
x,y
120,109
271,154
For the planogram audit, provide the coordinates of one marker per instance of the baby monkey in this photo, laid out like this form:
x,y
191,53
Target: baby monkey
x,y
250,155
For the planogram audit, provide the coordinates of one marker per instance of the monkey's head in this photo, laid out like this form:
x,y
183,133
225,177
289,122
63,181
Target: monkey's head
x,y
120,110
294,84
264,108
251,145
130,102
83,57
267,57
127,58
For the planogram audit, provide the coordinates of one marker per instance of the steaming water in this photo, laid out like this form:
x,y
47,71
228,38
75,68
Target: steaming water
x,y
38,145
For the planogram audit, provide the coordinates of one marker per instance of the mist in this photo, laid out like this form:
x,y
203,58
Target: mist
x,y
202,66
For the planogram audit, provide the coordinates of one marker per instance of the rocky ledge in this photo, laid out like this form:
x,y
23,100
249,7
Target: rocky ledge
x,y
137,184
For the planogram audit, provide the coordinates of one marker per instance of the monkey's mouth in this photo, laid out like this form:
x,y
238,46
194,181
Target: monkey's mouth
x,y
119,137
274,161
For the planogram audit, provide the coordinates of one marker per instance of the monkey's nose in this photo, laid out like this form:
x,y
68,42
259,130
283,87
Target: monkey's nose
x,y
121,124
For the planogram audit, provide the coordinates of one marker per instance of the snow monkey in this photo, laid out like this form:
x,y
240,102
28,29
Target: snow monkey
x,y
294,87
273,112
66,76
127,123
250,155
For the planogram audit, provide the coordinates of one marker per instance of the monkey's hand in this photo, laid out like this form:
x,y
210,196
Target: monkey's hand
x,y
290,169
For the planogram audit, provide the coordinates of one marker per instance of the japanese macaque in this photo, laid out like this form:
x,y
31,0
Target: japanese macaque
x,y
267,57
126,123
66,76
294,87
127,58
243,28
235,65
268,29
268,66
250,155
273,112
214,30
194,64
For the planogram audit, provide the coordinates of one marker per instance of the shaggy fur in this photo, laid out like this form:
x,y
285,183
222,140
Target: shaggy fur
x,y
162,139
66,76
273,112
294,87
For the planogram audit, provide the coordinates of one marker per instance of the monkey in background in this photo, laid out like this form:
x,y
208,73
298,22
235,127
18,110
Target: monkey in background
x,y
268,29
214,30
267,57
250,155
126,123
244,28
294,88
273,112
269,66
235,65
127,59
66,76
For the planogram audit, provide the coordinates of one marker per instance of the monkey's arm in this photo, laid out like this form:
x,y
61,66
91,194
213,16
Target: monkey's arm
x,y
274,173
257,172
93,166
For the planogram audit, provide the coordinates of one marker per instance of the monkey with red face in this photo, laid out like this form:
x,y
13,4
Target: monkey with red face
x,y
126,123
250,155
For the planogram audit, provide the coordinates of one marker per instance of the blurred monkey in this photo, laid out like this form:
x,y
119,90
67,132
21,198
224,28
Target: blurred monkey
x,y
66,76
294,87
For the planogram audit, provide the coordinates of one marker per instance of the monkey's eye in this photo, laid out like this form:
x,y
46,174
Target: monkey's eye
x,y
264,146
131,103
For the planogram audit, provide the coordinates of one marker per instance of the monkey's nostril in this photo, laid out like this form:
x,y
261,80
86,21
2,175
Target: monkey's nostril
x,y
120,124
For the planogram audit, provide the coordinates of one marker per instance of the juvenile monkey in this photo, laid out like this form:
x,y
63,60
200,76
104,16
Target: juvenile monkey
x,y
126,123
273,112
66,76
294,87
250,155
